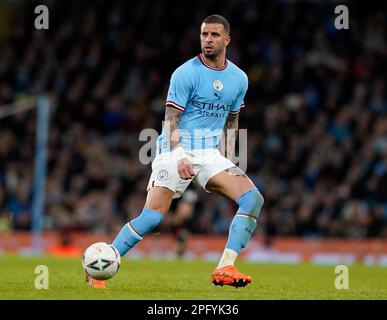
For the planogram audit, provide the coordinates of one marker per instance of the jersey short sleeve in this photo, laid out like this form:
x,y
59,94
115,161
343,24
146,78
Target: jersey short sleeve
x,y
239,101
180,88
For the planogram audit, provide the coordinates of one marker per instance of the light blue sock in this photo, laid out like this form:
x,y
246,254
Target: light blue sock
x,y
241,230
245,221
132,232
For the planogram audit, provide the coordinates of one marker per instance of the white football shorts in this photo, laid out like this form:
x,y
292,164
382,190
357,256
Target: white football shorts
x,y
207,163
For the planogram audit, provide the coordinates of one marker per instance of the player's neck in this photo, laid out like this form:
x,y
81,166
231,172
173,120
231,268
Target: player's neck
x,y
216,63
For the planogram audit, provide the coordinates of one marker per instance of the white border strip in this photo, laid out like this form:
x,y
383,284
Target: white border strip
x,y
134,232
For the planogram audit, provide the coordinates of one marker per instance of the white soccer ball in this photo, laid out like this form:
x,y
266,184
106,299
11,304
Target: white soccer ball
x,y
101,261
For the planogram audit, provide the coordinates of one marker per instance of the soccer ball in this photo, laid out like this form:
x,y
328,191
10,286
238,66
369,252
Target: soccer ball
x,y
101,261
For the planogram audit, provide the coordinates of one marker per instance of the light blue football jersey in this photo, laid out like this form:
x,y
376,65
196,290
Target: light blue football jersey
x,y
206,96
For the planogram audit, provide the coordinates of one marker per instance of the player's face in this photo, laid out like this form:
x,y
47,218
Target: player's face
x,y
213,39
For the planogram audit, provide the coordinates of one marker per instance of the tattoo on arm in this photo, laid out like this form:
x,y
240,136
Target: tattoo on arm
x,y
172,117
232,121
231,129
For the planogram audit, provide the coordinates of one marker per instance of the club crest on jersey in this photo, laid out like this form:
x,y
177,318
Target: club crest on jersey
x,y
162,175
218,85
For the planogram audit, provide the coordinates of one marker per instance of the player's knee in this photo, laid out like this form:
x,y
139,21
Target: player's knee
x,y
260,200
163,208
250,202
159,199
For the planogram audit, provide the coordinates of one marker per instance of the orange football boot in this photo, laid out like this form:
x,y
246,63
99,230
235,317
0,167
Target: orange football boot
x,y
98,284
230,276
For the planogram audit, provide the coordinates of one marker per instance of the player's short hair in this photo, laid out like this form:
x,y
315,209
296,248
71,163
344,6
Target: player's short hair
x,y
216,18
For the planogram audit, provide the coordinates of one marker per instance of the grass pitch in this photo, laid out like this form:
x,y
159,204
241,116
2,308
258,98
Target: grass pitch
x,y
179,279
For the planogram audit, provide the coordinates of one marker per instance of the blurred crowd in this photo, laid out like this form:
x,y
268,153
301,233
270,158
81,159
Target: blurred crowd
x,y
316,113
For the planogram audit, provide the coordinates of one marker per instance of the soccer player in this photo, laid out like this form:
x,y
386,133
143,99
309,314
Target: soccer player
x,y
205,96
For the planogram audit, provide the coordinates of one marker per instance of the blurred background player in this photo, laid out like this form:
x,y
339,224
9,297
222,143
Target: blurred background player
x,y
180,221
205,96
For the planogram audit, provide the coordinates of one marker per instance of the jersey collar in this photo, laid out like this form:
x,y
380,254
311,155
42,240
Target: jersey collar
x,y
208,66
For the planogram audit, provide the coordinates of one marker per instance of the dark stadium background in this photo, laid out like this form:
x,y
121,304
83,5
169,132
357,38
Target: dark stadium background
x,y
316,112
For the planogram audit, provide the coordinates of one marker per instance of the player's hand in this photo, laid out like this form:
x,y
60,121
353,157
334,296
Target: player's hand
x,y
185,169
184,165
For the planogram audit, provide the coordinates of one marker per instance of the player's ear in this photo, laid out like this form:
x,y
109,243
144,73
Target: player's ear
x,y
227,41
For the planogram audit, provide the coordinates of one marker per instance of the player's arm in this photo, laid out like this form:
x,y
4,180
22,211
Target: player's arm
x,y
172,117
231,129
231,126
185,167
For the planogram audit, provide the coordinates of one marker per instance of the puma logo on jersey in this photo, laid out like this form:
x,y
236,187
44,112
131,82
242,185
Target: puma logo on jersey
x,y
218,95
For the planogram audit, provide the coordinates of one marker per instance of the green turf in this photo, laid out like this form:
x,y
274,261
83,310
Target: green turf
x,y
155,279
